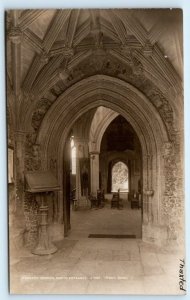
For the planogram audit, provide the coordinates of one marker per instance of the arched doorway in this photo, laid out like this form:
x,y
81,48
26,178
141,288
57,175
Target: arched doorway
x,y
126,100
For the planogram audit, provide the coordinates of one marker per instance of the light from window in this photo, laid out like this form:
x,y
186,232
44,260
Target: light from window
x,y
73,156
120,177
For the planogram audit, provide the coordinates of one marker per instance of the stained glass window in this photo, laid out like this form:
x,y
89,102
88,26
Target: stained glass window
x,y
120,177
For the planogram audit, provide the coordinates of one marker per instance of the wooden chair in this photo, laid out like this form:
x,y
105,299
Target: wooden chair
x,y
73,199
115,200
100,198
135,203
93,201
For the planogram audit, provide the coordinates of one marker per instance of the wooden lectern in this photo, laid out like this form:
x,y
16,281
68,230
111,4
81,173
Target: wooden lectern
x,y
42,183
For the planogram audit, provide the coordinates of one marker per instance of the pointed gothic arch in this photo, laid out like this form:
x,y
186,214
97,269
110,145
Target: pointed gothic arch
x,y
101,90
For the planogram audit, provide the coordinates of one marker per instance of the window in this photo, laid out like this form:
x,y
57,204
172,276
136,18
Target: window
x,y
73,156
120,177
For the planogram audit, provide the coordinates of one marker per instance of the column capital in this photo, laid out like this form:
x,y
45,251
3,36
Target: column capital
x,y
147,156
79,140
15,35
20,134
94,153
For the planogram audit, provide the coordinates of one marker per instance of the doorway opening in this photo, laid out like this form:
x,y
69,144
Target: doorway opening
x,y
112,167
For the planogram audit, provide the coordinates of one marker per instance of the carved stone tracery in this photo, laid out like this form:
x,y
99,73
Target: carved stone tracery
x,y
104,64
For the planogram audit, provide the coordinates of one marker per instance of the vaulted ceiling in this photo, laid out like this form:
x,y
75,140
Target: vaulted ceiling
x,y
49,50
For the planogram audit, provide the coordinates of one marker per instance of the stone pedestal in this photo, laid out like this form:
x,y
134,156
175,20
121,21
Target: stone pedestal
x,y
44,245
154,233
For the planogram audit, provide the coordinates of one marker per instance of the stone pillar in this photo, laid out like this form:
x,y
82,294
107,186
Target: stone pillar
x,y
145,188
19,173
16,212
153,231
78,180
81,153
94,172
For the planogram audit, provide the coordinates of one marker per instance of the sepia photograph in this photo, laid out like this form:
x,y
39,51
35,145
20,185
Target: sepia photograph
x,y
95,148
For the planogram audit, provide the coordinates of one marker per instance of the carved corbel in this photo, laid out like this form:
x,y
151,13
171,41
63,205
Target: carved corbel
x,y
63,74
167,149
157,100
68,52
44,58
148,48
126,50
136,64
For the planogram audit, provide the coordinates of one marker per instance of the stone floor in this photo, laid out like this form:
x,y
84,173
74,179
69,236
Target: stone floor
x,y
106,221
85,265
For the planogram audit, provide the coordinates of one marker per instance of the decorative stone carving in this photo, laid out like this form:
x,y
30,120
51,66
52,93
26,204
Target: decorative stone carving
x,y
172,202
36,157
32,153
40,111
53,164
68,52
167,149
44,58
104,64
32,163
148,48
157,100
126,50
63,74
31,220
99,56
36,119
137,66
149,192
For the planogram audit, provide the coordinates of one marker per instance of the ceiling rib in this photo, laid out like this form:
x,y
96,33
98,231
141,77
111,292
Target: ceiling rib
x,y
120,57
33,40
29,17
118,26
109,30
167,69
55,28
32,73
81,33
47,72
79,58
72,27
134,27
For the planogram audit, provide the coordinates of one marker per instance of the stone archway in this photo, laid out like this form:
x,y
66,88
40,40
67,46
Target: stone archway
x,y
100,90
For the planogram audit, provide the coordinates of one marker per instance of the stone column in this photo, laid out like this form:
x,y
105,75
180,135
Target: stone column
x,y
94,172
147,189
81,153
19,170
16,213
78,180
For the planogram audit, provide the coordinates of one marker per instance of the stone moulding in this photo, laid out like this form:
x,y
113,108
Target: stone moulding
x,y
122,98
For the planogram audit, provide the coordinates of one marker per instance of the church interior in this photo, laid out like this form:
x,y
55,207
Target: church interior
x,y
95,150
